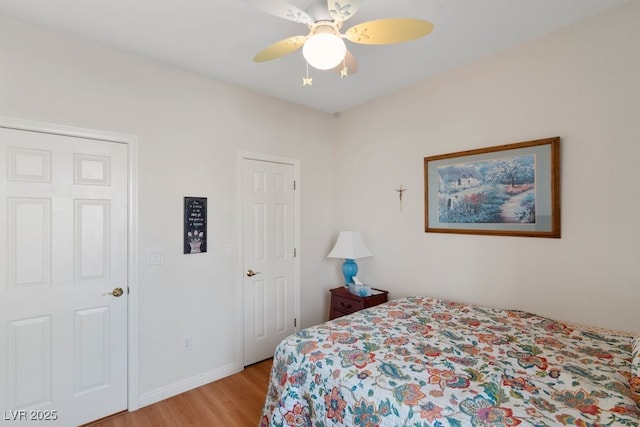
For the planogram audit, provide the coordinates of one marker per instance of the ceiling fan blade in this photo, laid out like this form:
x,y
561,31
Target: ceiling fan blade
x,y
341,10
282,9
281,48
350,63
389,31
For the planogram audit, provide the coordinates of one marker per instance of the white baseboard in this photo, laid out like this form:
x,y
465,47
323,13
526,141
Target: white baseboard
x,y
187,384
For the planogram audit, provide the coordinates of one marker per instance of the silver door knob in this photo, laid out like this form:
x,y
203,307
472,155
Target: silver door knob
x,y
251,273
117,292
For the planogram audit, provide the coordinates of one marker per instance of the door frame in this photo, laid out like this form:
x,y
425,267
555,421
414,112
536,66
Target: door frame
x,y
242,156
132,229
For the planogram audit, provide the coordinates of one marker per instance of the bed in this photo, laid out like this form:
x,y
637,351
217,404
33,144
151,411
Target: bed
x,y
421,361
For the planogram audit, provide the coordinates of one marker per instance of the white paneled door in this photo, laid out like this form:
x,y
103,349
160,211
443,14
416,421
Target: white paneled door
x,y
63,261
269,263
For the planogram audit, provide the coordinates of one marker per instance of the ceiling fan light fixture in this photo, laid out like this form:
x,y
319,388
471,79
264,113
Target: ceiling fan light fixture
x,y
324,51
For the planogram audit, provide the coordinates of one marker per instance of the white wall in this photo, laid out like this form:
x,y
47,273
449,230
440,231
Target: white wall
x,y
582,84
190,130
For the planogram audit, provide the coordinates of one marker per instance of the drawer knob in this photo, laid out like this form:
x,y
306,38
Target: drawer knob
x,y
345,305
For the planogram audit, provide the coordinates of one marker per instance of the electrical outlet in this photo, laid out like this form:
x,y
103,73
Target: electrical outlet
x,y
186,345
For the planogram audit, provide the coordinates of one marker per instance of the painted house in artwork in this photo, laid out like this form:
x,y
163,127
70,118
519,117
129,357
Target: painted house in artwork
x,y
455,178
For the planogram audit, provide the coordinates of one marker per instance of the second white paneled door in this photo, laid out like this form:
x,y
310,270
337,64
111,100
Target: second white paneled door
x,y
269,263
63,278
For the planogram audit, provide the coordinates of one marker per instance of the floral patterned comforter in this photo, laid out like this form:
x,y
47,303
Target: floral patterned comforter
x,y
420,361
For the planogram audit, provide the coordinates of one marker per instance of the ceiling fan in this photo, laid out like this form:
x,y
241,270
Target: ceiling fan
x,y
323,46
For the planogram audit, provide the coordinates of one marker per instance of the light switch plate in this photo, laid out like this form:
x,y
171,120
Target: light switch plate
x,y
155,257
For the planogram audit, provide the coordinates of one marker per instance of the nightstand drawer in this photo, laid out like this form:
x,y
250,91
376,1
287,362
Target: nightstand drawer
x,y
344,302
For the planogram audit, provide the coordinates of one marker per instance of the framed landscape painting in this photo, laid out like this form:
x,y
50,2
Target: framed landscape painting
x,y
506,190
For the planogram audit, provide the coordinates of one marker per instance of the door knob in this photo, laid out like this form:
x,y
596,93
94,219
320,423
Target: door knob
x,y
116,292
251,273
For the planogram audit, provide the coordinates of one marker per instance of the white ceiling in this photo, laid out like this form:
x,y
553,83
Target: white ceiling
x,y
220,37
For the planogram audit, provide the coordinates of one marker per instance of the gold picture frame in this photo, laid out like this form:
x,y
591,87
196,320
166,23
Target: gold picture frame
x,y
505,190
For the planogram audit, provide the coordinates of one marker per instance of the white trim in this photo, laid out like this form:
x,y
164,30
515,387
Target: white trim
x,y
133,325
132,156
244,155
187,384
44,127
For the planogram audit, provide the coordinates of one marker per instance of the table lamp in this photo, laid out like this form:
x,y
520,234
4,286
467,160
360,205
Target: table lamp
x,y
349,246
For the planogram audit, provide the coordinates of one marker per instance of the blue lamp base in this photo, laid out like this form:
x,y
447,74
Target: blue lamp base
x,y
349,269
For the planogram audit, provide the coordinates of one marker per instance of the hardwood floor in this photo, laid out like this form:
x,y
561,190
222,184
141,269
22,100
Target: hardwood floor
x,y
234,401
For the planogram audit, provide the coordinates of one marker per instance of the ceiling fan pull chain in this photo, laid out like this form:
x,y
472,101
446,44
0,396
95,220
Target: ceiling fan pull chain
x,y
307,81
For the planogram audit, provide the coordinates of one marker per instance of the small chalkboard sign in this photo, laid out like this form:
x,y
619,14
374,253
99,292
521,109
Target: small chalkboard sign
x,y
195,225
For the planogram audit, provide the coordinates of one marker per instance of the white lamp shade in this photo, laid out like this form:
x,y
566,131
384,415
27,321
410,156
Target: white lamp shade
x,y
350,246
324,51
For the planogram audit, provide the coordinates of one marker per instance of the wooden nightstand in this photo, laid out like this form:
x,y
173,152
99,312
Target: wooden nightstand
x,y
344,302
